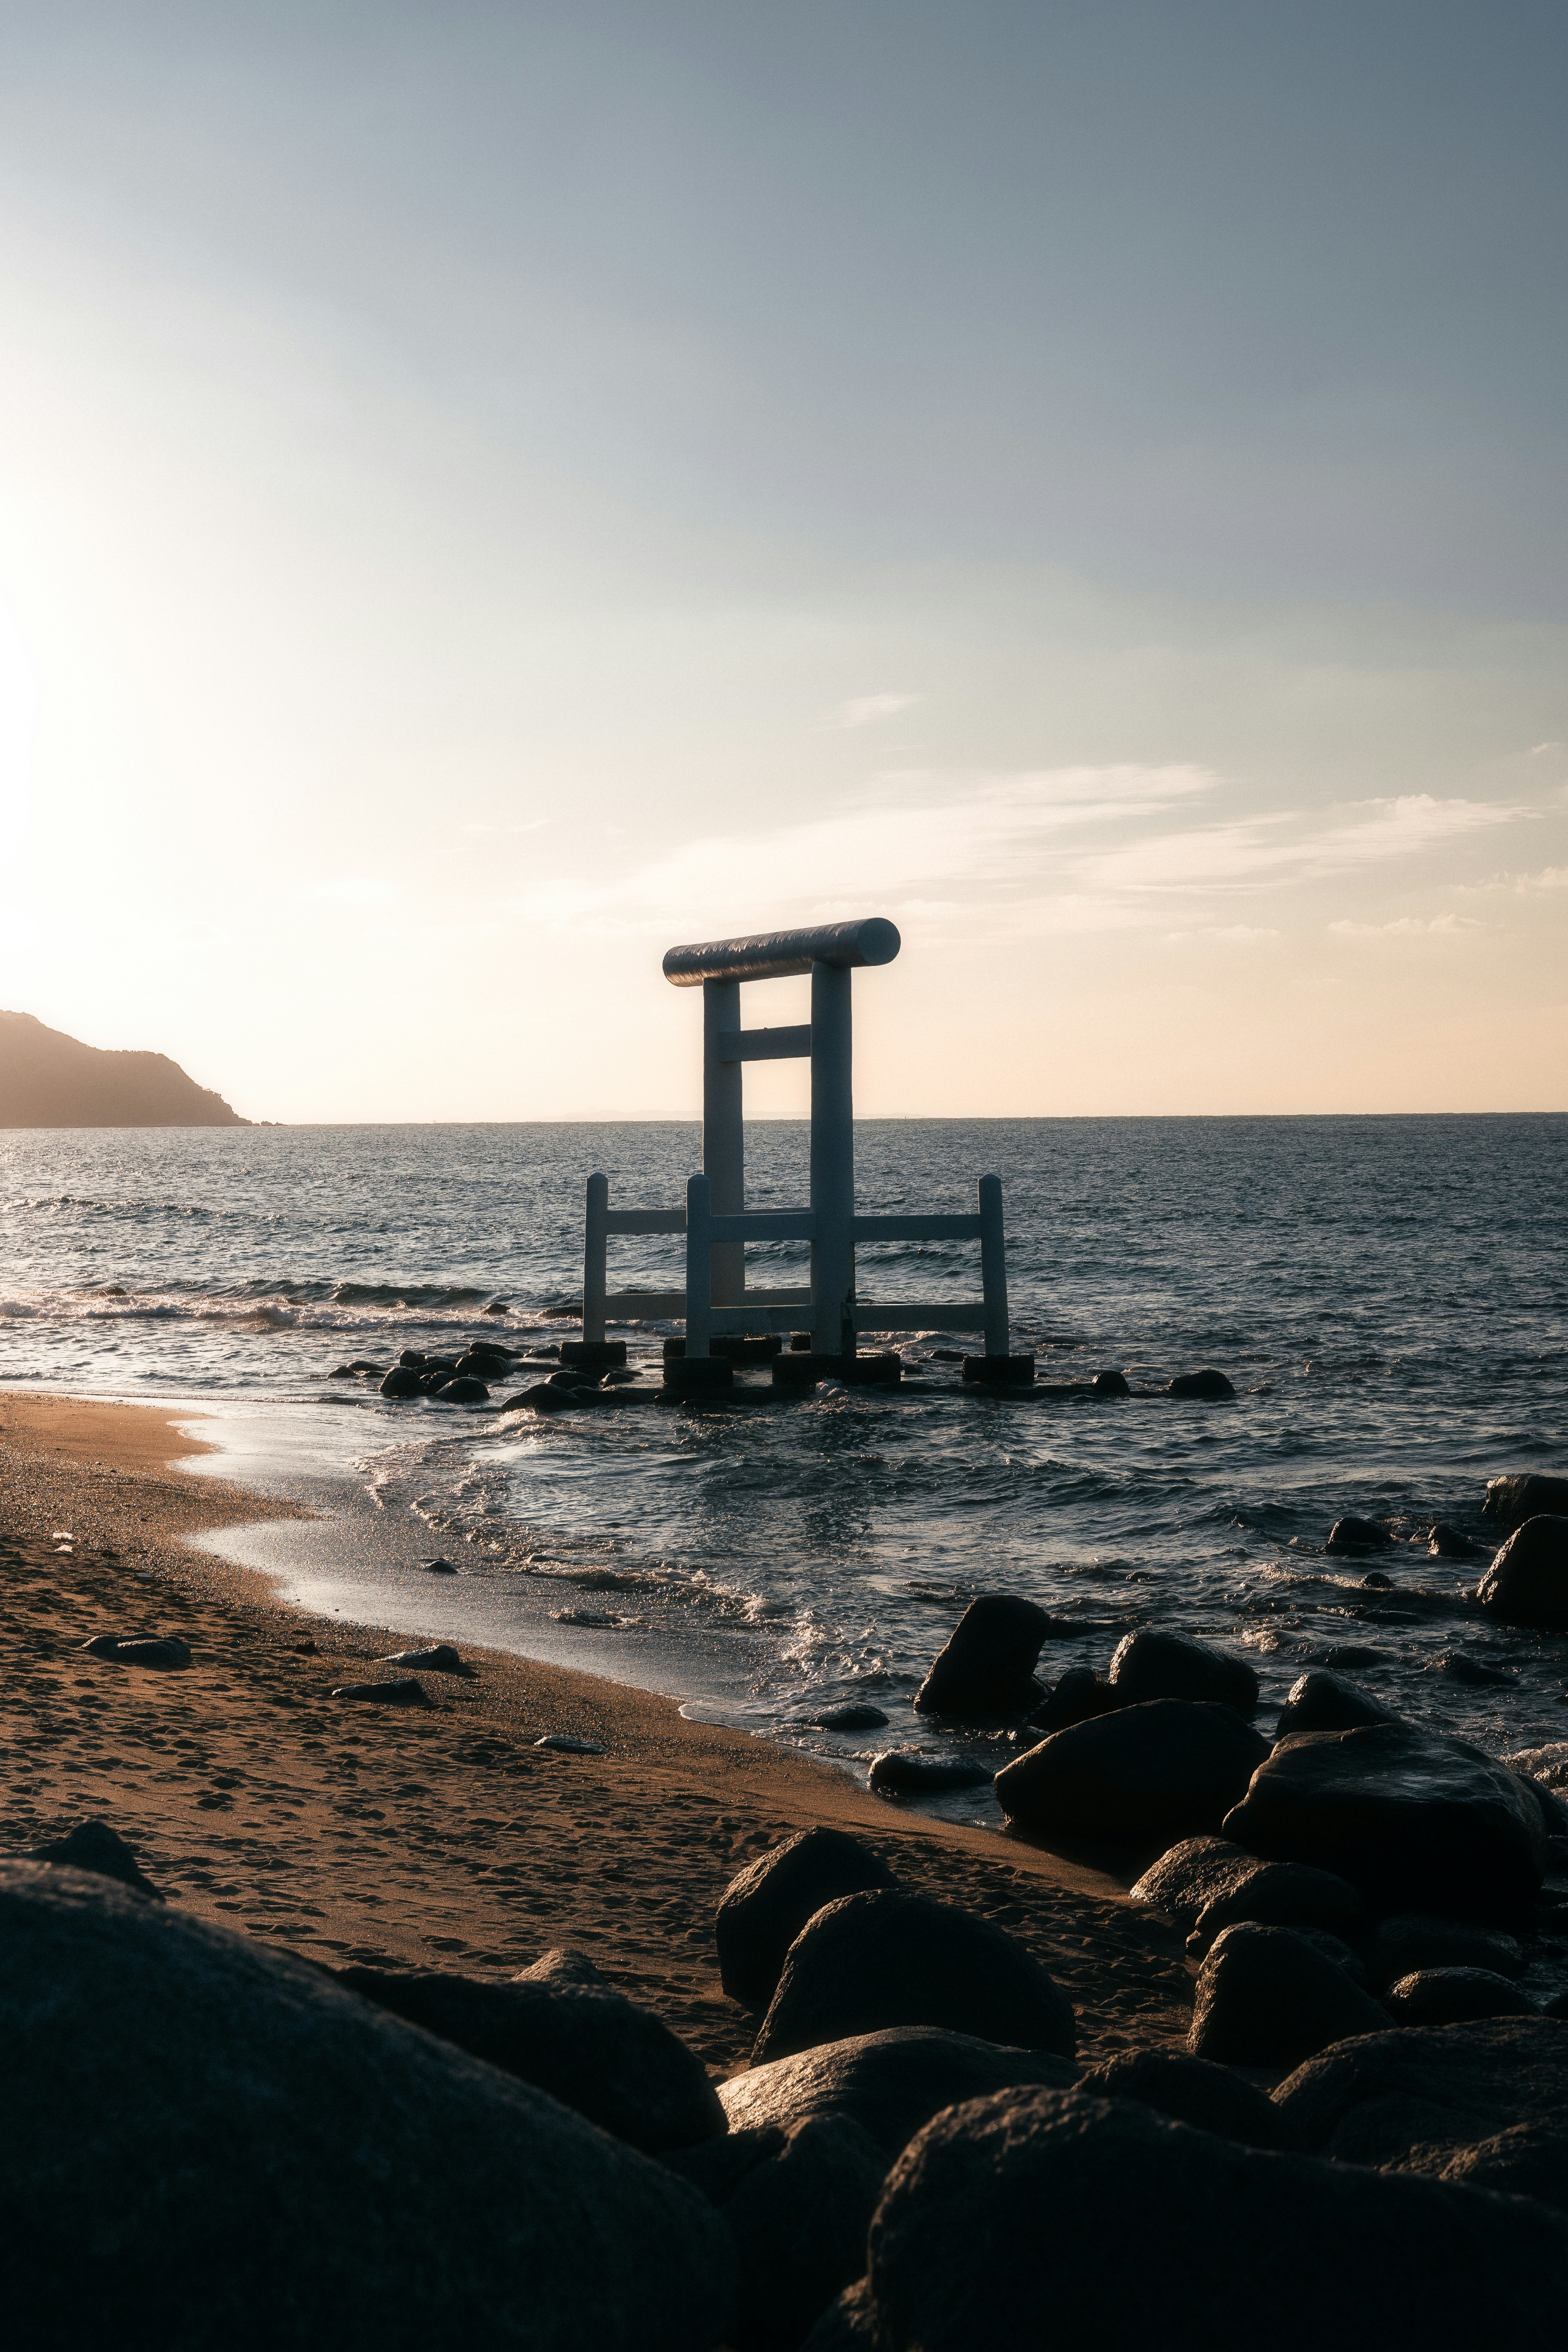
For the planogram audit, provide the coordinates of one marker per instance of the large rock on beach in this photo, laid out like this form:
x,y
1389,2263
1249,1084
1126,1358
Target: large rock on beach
x,y
1279,1894
1268,1997
1416,1820
1194,2091
1043,2218
765,1905
1321,1701
847,2325
1077,1697
93,1845
209,2142
1142,1775
1152,1664
874,1960
1419,2098
1512,1500
585,2043
1455,1996
1527,1583
798,2203
889,2084
1191,1876
986,1669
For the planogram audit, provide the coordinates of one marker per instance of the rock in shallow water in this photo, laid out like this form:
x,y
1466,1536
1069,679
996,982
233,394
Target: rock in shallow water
x,y
987,1668
1144,1775
1351,1534
765,1905
908,1772
889,1958
1527,1583
1512,1500
1320,1701
1152,1664
1208,1384
211,2142
1043,2220
1416,1820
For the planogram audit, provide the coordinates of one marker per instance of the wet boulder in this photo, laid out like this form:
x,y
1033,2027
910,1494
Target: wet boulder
x,y
1454,1996
855,1715
1527,1583
1407,1942
1419,2097
1416,1820
798,2203
1351,1534
1510,1501
1451,1543
1154,1663
403,1380
1038,2218
1142,1775
987,1668
1268,1997
1110,1384
1320,1701
765,1905
584,2043
889,1959
1078,1695
911,1772
889,2084
462,1391
1277,1894
1192,2091
211,2142
1208,1385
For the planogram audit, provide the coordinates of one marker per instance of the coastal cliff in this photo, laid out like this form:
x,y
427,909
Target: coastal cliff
x,y
48,1080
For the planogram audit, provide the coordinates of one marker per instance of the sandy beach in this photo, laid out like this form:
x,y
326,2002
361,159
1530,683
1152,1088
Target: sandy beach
x,y
435,1837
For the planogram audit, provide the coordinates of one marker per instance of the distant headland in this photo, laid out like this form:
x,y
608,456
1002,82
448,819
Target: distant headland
x,y
48,1080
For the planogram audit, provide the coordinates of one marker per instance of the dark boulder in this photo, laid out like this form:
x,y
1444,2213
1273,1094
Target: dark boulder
x,y
1409,1942
1279,1894
134,1650
1194,2091
847,2325
93,1845
1526,2160
1454,1996
1527,1583
765,1905
1267,1997
1425,2095
209,2142
460,1390
1511,1501
908,1772
484,1363
798,2203
403,1690
403,1380
1110,1384
1416,1820
1334,1947
1351,1534
889,1959
440,1659
585,2043
856,1715
1152,1664
1036,2218
1142,1775
1210,1385
1448,1543
890,2084
1077,1697
560,1966
1320,1701
1458,1666
1192,1875
538,1399
987,1666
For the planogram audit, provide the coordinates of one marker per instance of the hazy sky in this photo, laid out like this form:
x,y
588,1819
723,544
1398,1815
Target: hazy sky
x,y
489,491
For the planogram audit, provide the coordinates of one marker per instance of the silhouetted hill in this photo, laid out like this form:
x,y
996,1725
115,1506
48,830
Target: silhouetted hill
x,y
48,1080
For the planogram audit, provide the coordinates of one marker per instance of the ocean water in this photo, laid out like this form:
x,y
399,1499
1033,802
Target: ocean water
x,y
1389,1296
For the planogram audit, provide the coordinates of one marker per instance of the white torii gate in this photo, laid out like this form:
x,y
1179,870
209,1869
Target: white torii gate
x,y
716,1222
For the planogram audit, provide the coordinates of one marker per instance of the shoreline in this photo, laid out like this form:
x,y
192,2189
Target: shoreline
x,y
436,1836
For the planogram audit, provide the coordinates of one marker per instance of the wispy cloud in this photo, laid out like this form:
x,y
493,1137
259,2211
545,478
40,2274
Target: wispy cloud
x,y
1410,927
868,709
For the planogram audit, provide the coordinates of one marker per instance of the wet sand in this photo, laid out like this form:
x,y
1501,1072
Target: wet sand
x,y
436,1837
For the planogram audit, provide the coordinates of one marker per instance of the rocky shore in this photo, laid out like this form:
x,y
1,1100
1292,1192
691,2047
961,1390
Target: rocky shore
x,y
363,1997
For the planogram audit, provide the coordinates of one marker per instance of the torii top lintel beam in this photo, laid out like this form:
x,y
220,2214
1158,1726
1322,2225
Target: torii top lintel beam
x,y
778,955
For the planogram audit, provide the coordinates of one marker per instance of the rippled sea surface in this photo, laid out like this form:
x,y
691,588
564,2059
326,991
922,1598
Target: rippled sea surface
x,y
1389,1296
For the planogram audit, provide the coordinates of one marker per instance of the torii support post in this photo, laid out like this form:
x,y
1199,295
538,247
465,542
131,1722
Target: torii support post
x,y
594,1348
995,1364
697,1371
723,1131
832,1161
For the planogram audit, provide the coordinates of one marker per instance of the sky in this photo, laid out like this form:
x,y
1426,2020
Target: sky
x,y
488,492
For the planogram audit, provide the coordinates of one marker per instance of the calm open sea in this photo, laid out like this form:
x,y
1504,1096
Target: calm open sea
x,y
1389,1296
